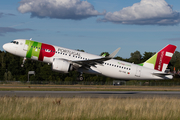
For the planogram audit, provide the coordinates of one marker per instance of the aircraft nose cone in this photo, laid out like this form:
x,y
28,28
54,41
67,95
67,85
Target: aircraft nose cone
x,y
5,47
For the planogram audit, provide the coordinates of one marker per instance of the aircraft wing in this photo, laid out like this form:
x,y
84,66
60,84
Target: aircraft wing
x,y
99,61
92,62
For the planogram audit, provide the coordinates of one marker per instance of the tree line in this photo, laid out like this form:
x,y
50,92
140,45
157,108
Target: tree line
x,y
11,70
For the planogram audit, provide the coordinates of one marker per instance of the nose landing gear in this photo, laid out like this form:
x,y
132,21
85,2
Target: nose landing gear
x,y
23,62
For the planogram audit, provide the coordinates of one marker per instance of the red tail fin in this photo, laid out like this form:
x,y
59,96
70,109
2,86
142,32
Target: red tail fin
x,y
161,59
164,56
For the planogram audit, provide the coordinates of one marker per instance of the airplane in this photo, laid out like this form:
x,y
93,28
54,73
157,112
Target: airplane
x,y
64,60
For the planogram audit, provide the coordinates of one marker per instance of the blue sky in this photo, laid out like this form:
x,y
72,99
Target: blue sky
x,y
93,25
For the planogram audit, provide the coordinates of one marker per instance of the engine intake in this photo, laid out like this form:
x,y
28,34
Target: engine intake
x,y
62,66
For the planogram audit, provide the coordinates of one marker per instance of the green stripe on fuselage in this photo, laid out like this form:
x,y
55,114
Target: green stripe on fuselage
x,y
141,64
33,48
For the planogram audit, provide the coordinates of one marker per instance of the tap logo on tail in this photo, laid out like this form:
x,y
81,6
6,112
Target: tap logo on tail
x,y
161,59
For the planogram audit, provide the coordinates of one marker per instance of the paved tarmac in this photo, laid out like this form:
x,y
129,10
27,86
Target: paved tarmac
x,y
92,94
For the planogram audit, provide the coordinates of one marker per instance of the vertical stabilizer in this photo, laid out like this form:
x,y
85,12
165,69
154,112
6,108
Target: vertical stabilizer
x,y
161,59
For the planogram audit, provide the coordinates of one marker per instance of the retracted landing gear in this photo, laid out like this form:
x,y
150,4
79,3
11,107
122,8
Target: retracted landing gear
x,y
23,62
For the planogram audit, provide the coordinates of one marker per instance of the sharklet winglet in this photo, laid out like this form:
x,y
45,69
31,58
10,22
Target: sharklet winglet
x,y
112,55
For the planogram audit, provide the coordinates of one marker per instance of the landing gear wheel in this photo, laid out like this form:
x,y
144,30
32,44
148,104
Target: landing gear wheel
x,y
81,78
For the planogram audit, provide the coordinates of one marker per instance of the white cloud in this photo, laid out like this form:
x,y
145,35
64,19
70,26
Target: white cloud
x,y
147,12
60,9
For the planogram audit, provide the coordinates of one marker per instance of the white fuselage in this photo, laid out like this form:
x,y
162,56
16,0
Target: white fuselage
x,y
111,68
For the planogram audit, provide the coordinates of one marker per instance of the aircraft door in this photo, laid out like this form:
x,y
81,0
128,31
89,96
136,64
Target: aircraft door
x,y
25,47
138,71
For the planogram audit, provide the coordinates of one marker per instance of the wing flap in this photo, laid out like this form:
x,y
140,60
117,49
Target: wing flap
x,y
91,62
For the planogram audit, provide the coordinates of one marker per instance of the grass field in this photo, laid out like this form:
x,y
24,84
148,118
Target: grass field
x,y
26,108
89,108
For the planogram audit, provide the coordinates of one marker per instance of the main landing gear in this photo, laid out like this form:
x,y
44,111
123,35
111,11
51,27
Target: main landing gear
x,y
81,78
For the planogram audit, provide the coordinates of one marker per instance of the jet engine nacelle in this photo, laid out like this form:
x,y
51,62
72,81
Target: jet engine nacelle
x,y
62,66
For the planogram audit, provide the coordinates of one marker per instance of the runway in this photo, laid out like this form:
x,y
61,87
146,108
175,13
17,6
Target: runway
x,y
92,94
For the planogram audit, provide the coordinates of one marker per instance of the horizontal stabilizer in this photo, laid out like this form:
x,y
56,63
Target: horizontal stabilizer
x,y
162,74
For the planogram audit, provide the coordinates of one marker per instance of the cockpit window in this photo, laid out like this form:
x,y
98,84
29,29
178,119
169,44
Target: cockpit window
x,y
15,42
